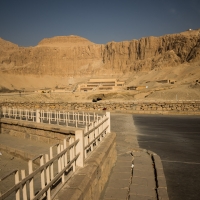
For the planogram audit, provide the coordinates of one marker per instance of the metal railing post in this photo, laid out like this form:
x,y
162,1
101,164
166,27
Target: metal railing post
x,y
85,139
83,118
86,119
76,123
26,111
59,159
78,118
48,177
17,192
38,116
49,117
79,134
58,116
42,173
31,185
71,152
108,121
66,119
62,164
51,166
101,127
73,116
24,189
92,136
65,156
89,117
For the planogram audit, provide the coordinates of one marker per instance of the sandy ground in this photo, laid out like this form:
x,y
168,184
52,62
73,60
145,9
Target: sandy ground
x,y
182,92
186,87
186,78
9,163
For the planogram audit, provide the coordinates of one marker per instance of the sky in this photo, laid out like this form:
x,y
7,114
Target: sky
x,y
27,22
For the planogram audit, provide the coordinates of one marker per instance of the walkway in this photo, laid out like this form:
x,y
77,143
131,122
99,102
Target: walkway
x,y
17,148
27,149
127,183
177,141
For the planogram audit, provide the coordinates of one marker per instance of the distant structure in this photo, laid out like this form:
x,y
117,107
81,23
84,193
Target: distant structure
x,y
46,90
140,87
100,84
166,81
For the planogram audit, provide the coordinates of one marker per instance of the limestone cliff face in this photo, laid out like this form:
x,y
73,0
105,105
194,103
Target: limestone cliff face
x,y
70,55
149,53
65,41
6,49
74,55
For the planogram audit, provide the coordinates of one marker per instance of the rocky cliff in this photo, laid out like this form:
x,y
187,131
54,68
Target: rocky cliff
x,y
73,55
153,52
70,55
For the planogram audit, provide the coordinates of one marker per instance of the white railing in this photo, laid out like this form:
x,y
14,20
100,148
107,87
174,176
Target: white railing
x,y
95,132
55,170
66,118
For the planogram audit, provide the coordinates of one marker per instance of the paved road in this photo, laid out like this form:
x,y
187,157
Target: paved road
x,y
176,139
124,183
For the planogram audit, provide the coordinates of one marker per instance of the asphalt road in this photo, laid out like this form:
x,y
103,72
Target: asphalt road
x,y
176,139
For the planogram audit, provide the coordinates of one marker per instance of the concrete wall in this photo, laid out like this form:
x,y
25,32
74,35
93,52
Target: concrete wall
x,y
89,181
180,107
47,133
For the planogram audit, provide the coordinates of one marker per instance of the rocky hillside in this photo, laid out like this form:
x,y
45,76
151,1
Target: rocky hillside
x,y
70,55
153,52
77,56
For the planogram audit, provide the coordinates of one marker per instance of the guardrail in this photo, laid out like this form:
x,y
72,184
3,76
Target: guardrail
x,y
55,170
66,118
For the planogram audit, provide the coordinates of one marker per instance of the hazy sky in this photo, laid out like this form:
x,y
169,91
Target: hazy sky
x,y
26,22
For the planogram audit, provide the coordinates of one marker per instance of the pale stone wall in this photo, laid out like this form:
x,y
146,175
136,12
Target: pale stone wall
x,y
76,56
89,181
180,107
46,133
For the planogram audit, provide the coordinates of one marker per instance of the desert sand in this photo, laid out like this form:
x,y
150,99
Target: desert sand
x,y
66,61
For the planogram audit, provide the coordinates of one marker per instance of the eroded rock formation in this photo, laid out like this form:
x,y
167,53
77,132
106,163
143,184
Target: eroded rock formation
x,y
73,55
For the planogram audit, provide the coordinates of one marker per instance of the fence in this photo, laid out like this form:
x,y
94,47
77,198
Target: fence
x,y
67,118
55,170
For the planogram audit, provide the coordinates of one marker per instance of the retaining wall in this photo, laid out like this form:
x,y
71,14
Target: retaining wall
x,y
50,134
89,181
172,107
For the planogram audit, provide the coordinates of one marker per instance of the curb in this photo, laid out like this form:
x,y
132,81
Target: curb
x,y
161,185
17,152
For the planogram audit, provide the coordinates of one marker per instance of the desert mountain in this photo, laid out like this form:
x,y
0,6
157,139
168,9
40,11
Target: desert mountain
x,y
65,41
77,57
74,55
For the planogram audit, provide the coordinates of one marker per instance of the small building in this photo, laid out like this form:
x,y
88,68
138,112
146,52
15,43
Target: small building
x,y
132,88
105,82
166,81
163,81
105,88
141,87
172,81
101,84
59,90
120,83
43,91
85,89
